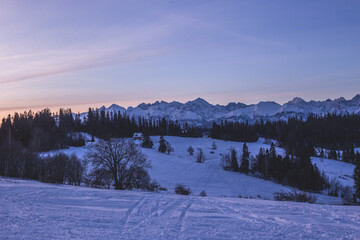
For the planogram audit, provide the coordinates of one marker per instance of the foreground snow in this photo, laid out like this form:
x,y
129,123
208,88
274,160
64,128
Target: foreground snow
x,y
33,210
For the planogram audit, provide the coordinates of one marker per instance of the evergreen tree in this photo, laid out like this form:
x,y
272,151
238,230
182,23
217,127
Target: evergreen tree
x,y
357,175
234,163
244,167
261,161
162,144
147,142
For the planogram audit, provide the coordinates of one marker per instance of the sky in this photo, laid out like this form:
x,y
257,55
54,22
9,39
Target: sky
x,y
85,53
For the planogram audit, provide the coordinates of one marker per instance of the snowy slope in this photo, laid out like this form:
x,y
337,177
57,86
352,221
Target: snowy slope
x,y
334,168
180,167
200,112
33,210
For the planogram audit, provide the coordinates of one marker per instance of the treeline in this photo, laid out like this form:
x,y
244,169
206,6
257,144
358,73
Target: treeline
x,y
59,168
333,132
234,131
35,132
107,125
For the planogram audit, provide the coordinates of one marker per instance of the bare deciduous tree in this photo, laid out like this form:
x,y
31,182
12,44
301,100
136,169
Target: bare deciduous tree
x,y
123,158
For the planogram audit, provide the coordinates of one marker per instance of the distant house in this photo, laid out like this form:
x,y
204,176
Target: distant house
x,y
138,136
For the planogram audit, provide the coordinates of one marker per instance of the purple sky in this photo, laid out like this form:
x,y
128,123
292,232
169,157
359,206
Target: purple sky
x,y
85,53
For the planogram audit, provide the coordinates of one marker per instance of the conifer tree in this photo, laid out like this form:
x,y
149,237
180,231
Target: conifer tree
x,y
147,142
357,175
234,164
162,146
244,167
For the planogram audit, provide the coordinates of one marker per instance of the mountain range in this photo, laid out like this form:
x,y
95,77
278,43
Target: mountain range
x,y
199,112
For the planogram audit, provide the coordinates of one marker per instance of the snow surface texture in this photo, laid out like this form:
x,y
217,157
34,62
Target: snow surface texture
x,y
34,210
200,112
180,167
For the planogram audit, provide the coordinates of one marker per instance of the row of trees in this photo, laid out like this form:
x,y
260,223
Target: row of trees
x,y
116,125
59,168
296,135
234,131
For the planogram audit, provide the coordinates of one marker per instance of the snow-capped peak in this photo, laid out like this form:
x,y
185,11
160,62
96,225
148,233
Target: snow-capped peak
x,y
201,112
297,100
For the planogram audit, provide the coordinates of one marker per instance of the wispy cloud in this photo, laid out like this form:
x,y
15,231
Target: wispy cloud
x,y
73,63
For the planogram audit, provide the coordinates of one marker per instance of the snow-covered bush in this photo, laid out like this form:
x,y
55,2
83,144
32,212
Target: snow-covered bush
x,y
154,186
226,162
169,148
295,196
191,150
203,194
200,157
181,189
347,195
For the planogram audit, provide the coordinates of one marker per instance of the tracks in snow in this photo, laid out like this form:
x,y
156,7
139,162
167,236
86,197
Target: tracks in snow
x,y
156,216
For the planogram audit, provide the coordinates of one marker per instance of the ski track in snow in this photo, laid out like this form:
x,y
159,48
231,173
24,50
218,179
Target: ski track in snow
x,y
34,210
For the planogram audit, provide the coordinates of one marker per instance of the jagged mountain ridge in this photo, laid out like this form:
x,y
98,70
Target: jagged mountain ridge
x,y
200,112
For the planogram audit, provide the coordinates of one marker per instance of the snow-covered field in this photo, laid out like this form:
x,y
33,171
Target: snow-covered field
x,y
180,167
34,210
334,168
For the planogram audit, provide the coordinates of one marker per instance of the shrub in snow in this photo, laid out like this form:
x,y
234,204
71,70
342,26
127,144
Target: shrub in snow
x,y
226,162
181,189
191,150
347,195
334,187
169,148
213,146
153,186
200,157
295,196
203,194
99,178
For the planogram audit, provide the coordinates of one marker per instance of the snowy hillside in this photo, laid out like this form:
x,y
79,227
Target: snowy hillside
x,y
34,210
200,112
180,167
